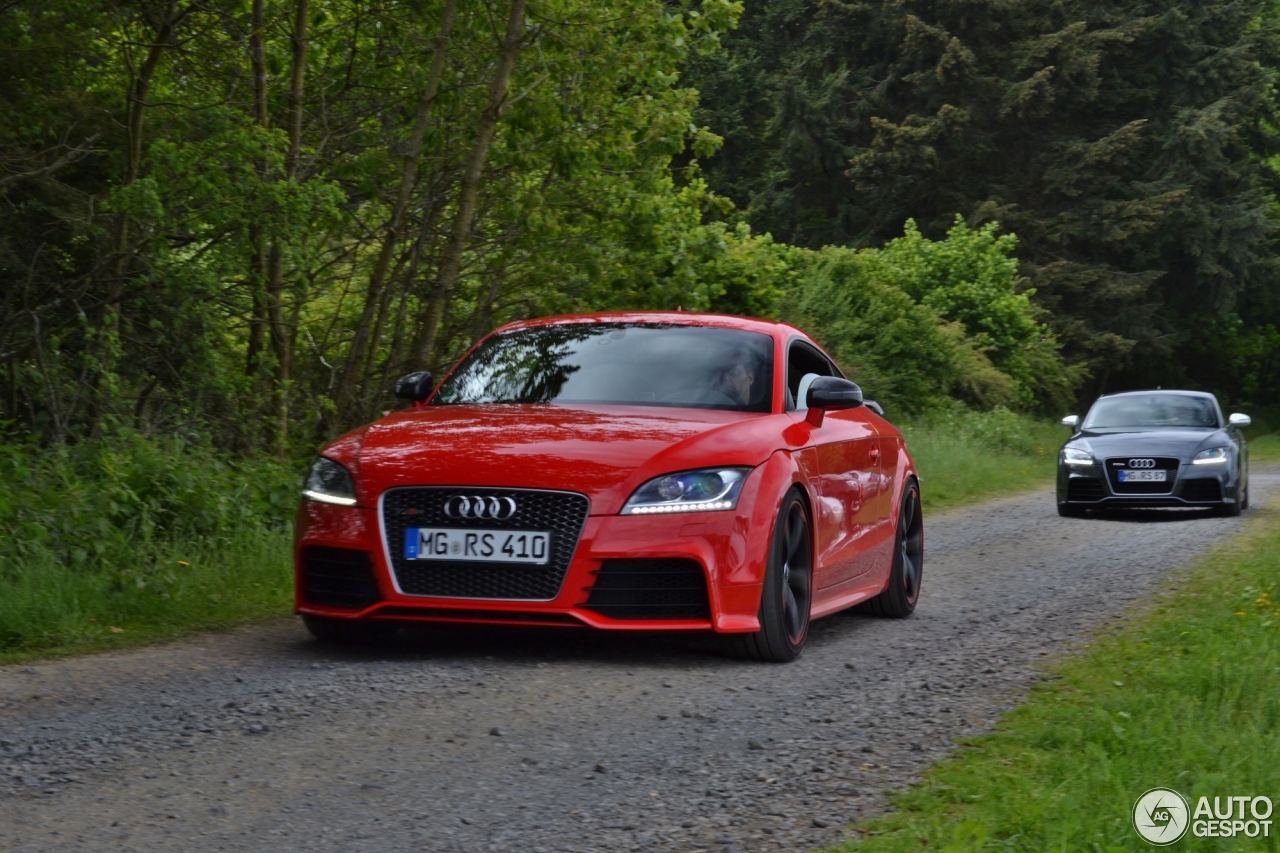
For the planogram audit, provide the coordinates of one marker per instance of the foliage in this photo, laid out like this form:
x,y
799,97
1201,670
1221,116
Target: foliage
x,y
110,504
1181,696
1129,145
921,323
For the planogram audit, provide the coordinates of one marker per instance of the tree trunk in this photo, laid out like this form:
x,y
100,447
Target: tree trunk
x,y
280,338
460,234
258,264
355,373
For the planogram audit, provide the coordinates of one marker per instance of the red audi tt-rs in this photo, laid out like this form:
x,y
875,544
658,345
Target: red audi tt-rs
x,y
627,471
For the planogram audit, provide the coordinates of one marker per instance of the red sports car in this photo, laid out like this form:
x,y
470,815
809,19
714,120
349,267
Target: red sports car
x,y
626,471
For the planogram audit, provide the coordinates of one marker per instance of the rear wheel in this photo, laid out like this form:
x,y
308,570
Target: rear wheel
x,y
899,600
787,596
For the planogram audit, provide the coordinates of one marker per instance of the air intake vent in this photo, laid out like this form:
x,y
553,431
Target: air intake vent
x,y
650,589
1084,490
338,577
1206,490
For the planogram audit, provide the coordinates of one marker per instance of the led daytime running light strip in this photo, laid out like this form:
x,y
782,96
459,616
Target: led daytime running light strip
x,y
669,508
327,499
1215,460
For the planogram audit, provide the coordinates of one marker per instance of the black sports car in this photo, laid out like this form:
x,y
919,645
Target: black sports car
x,y
1153,449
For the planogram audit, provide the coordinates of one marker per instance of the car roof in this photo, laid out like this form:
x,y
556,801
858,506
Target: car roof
x,y
772,328
1204,394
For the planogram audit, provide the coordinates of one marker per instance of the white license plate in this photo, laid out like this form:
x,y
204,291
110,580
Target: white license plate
x,y
1144,476
478,546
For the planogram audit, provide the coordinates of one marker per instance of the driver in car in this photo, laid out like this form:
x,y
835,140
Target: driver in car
x,y
737,378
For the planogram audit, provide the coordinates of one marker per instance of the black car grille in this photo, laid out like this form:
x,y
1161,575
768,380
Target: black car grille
x,y
1162,463
338,577
1084,489
562,514
650,589
1208,489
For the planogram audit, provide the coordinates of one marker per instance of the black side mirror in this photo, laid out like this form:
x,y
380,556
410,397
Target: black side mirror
x,y
831,393
416,386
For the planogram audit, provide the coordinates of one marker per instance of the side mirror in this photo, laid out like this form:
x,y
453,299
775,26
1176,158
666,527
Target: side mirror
x,y
874,406
416,386
831,393
1238,420
1071,421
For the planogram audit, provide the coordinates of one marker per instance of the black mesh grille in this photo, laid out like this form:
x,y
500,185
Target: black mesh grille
x,y
561,514
1208,489
650,589
1162,463
1083,489
338,577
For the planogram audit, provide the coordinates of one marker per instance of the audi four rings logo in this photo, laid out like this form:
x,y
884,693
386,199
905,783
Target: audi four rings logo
x,y
476,507
1142,463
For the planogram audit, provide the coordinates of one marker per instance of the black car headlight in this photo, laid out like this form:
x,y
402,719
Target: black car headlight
x,y
1212,456
688,491
1071,456
330,483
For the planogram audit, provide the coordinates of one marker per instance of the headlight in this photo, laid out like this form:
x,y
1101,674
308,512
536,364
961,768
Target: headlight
x,y
690,491
1212,456
1071,456
328,482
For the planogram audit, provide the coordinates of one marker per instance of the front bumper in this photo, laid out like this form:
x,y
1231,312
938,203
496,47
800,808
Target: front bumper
x,y
726,548
1089,487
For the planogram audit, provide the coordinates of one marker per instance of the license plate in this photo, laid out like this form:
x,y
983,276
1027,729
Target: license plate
x,y
1144,476
478,546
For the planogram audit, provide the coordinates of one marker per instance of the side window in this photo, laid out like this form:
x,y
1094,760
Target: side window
x,y
804,361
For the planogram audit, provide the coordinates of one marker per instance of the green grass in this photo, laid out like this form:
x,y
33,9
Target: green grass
x,y
51,610
1265,449
1182,695
968,457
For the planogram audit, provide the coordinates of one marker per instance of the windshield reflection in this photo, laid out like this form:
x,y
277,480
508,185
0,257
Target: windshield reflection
x,y
619,363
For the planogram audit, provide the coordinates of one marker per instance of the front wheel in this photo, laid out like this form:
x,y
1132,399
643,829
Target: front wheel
x,y
899,599
787,596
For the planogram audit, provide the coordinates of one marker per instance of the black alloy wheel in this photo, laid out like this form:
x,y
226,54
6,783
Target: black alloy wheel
x,y
788,586
899,599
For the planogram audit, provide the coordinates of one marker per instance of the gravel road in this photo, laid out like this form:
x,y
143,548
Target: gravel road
x,y
566,741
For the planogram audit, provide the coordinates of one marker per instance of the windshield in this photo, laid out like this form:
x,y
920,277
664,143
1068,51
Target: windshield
x,y
619,363
1152,410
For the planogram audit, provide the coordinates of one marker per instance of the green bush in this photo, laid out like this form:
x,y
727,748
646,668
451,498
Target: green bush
x,y
922,323
101,503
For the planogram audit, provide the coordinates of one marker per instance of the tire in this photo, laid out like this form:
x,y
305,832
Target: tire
x,y
788,585
1231,510
1069,511
349,632
899,599
1244,495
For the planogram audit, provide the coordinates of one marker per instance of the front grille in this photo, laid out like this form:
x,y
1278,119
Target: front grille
x,y
650,589
562,514
1206,489
1084,489
338,577
1162,463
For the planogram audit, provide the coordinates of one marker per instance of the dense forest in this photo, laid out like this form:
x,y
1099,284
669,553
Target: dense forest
x,y
244,219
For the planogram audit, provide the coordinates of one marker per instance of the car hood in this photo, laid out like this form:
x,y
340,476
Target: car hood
x,y
603,452
1182,443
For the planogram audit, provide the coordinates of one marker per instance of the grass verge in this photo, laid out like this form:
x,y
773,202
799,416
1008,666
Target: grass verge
x,y
1183,695
967,457
51,610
